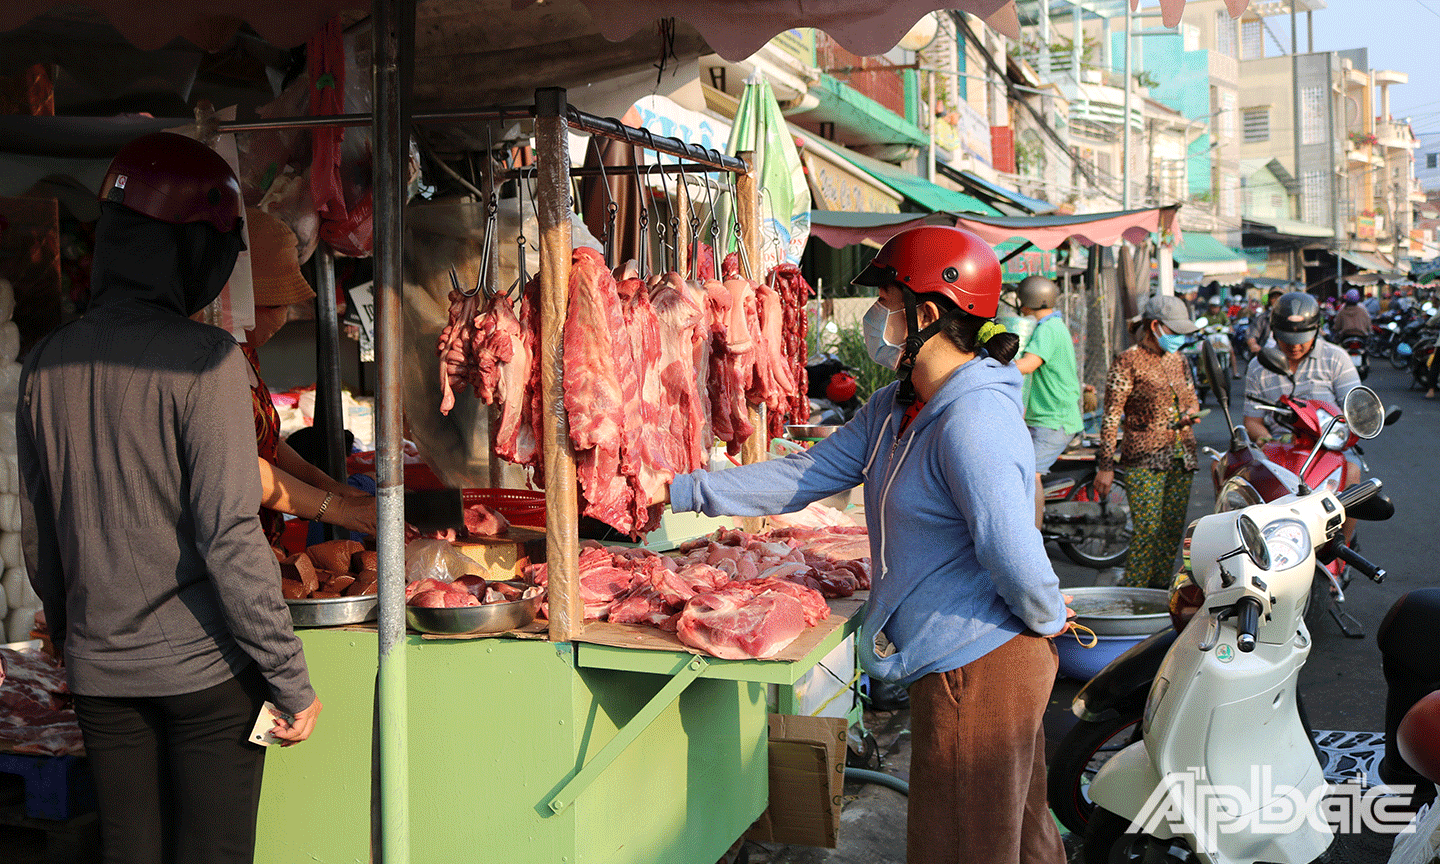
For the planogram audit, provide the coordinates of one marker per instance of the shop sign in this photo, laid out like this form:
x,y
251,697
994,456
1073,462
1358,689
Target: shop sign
x,y
798,43
362,303
837,189
1417,242
1031,262
973,132
665,117
1365,225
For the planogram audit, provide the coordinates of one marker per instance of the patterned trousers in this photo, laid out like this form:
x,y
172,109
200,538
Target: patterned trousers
x,y
1157,505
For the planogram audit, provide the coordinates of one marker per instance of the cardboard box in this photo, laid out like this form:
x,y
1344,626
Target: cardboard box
x,y
807,782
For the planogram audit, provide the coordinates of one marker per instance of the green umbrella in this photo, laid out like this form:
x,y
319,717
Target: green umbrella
x,y
784,194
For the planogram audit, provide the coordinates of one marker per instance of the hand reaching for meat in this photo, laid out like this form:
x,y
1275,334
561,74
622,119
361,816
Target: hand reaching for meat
x,y
356,513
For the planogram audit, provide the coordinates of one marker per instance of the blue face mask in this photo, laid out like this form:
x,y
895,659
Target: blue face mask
x,y
880,349
1170,342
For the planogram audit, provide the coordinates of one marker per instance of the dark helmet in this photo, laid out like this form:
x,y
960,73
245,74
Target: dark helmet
x,y
1037,292
174,179
1296,318
943,260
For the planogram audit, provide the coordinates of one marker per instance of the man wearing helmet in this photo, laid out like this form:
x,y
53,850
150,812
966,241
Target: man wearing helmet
x,y
1052,394
964,592
139,472
1322,370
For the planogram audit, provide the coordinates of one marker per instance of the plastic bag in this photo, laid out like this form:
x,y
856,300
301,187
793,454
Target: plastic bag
x,y
436,559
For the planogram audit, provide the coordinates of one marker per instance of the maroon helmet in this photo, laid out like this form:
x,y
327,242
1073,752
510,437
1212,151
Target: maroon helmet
x,y
174,179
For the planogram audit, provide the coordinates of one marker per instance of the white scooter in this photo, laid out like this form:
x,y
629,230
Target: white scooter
x,y
1226,773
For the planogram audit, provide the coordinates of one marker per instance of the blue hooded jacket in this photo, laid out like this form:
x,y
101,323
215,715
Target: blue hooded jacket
x,y
958,567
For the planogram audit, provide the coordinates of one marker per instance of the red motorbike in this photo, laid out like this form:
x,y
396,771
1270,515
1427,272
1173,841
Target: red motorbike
x,y
1313,459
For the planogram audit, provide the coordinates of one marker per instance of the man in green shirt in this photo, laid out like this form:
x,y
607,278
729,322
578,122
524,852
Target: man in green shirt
x,y
1052,397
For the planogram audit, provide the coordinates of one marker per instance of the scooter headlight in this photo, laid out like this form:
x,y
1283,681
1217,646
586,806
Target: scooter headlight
x,y
1288,541
1236,494
1337,437
1392,326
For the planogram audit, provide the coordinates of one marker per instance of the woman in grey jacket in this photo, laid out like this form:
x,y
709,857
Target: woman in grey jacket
x,y
964,594
137,455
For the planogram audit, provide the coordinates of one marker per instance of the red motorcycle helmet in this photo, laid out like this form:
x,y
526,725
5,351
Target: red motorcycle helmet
x,y
174,179
840,387
942,260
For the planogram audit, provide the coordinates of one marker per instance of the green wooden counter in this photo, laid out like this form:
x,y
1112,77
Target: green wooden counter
x,y
524,750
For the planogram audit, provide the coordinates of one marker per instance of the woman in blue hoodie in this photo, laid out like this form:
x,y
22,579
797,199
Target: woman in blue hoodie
x,y
964,595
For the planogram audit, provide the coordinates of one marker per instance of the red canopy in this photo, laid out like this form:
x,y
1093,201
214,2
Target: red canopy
x,y
1045,232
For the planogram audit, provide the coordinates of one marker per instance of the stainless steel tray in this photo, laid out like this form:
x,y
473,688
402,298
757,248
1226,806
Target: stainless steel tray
x,y
333,611
1108,615
810,433
477,620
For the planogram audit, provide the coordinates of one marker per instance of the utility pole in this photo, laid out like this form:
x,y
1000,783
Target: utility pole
x,y
1125,145
1296,112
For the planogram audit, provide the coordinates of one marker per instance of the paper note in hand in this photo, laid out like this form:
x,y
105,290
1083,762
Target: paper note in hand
x,y
263,733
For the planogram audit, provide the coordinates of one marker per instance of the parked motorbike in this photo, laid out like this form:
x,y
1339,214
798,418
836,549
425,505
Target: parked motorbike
x,y
1313,458
1218,336
1110,706
1356,346
1231,673
1090,530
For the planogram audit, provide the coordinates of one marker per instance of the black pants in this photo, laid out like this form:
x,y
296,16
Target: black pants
x,y
176,778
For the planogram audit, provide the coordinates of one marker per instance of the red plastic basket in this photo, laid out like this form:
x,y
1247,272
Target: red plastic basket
x,y
524,507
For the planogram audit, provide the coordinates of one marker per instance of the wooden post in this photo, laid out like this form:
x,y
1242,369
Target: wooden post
x,y
562,518
682,233
747,212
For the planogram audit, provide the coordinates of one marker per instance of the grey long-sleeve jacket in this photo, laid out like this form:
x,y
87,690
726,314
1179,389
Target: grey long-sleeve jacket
x,y
137,452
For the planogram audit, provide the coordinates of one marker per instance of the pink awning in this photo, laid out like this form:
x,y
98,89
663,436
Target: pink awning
x,y
735,29
1047,232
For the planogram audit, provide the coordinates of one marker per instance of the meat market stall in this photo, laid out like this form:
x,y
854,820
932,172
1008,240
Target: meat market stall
x,y
632,685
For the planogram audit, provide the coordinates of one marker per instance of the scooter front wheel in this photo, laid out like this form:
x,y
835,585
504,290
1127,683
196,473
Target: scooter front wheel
x,y
1102,539
1084,749
1108,840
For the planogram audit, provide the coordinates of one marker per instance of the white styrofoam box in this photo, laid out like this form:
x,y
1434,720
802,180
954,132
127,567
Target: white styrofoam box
x,y
10,473
13,582
11,552
7,300
9,341
18,589
21,621
9,512
9,384
7,434
831,677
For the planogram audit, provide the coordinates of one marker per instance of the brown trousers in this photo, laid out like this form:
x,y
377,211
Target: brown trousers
x,y
977,766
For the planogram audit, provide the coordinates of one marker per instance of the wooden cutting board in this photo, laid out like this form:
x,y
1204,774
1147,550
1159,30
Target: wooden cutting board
x,y
505,557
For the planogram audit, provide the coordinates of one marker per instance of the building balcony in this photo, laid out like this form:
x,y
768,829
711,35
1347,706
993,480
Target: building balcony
x,y
1395,135
1224,68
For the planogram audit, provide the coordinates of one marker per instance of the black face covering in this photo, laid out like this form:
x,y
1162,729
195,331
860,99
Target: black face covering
x,y
180,268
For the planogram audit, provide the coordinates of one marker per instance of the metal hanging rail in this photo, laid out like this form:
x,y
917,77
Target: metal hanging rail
x,y
576,119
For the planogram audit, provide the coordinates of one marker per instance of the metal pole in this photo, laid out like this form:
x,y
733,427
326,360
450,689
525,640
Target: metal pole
x,y
930,125
747,211
1044,40
329,414
562,518
1295,119
1077,38
393,28
1125,145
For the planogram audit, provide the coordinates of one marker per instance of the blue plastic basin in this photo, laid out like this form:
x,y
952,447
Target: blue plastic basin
x,y
1081,663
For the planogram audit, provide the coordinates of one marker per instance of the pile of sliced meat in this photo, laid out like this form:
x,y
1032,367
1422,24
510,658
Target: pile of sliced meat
x,y
480,521
35,716
735,595
655,370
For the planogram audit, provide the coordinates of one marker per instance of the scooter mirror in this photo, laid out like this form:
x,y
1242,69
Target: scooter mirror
x,y
1202,322
1376,509
1253,541
1392,416
1271,358
1364,412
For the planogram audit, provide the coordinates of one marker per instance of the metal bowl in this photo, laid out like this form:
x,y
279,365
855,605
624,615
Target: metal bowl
x,y
333,611
810,433
1121,611
475,620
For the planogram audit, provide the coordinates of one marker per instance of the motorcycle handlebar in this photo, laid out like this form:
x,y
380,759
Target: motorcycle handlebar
x,y
1247,613
1356,560
1361,492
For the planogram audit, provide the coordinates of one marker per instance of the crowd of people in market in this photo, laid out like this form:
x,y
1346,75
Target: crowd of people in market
x,y
162,593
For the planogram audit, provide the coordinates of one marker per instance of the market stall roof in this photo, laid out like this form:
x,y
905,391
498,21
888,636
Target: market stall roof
x,y
1047,232
1368,262
1283,231
995,194
1205,254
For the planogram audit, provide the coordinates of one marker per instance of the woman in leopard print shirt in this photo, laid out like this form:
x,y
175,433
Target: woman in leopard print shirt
x,y
1149,385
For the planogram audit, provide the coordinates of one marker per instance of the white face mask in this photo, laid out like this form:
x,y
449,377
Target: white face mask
x,y
876,327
